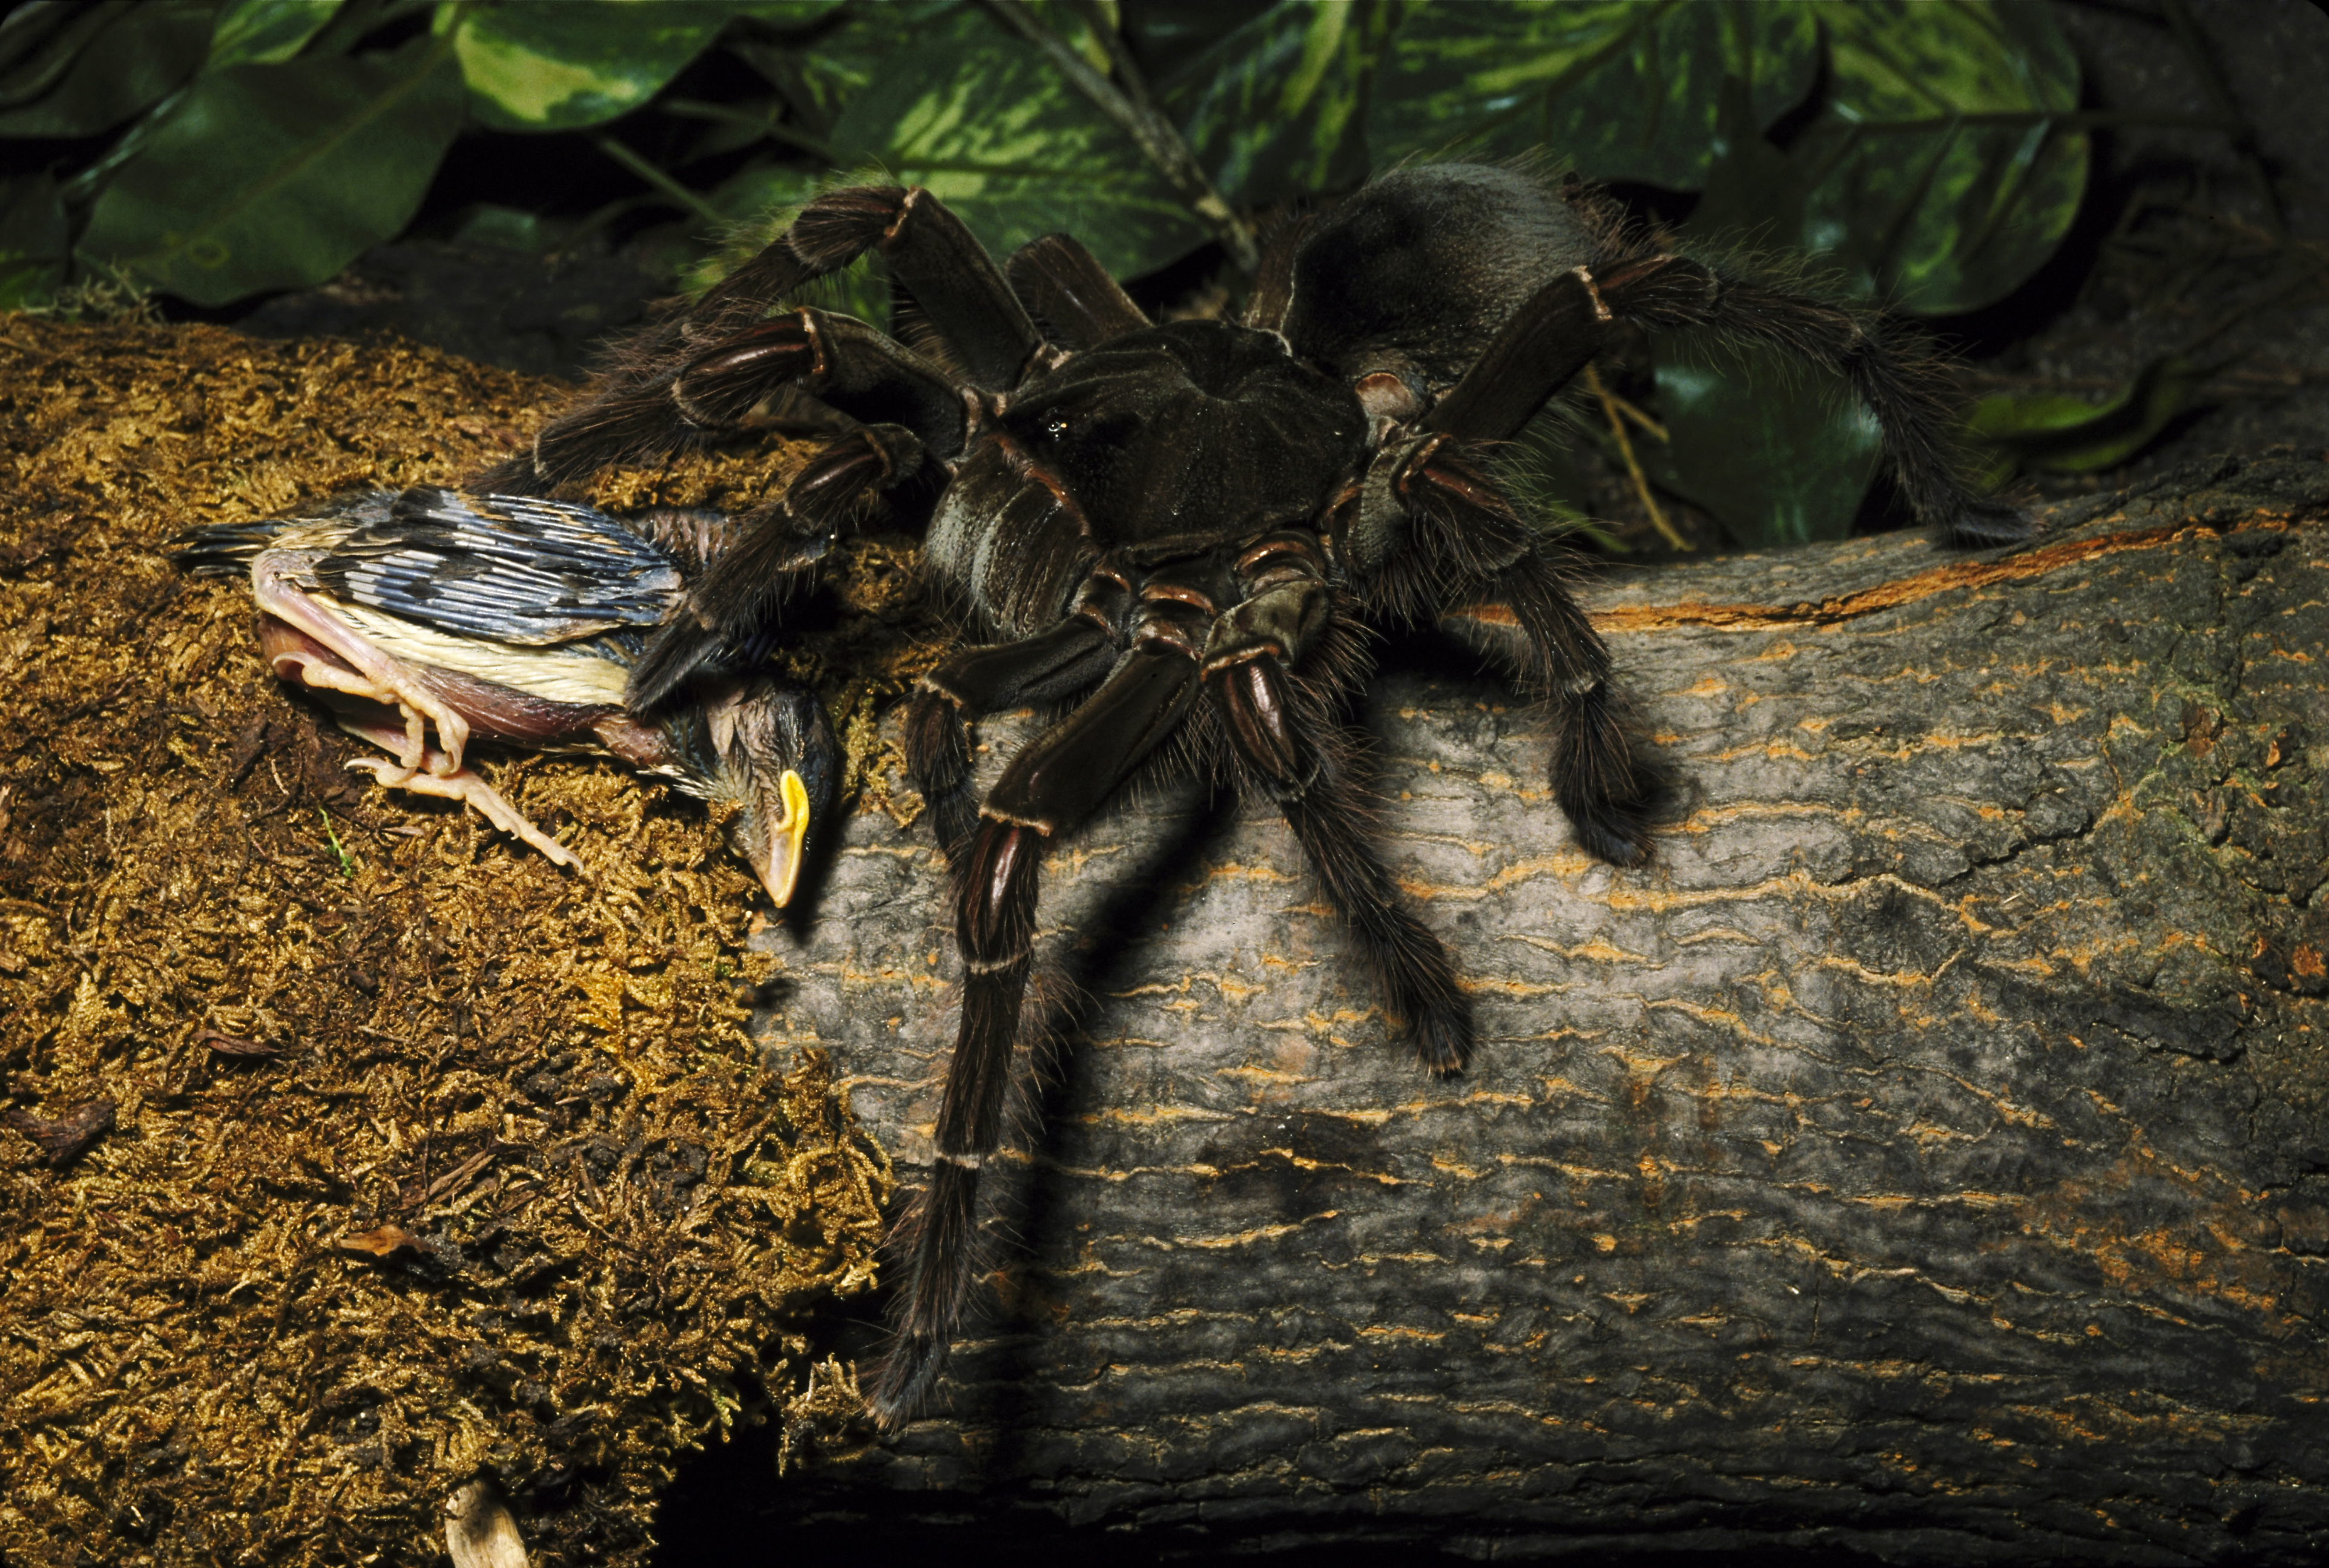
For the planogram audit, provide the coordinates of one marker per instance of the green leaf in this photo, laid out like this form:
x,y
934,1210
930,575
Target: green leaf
x,y
765,199
271,176
755,197
2067,435
1164,35
821,78
510,227
39,43
1277,108
34,239
99,68
1778,454
558,67
1938,177
265,31
1623,89
986,122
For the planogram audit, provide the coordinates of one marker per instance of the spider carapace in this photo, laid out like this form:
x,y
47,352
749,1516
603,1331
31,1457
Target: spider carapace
x,y
1177,536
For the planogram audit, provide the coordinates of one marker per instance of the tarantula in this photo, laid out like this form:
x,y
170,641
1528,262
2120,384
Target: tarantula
x,y
1182,531
503,618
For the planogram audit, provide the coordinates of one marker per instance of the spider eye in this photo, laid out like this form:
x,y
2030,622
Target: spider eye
x,y
1055,428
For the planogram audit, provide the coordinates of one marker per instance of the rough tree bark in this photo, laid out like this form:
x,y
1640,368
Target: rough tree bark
x,y
1925,1155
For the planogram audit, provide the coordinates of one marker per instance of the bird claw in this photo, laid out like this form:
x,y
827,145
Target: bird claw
x,y
470,791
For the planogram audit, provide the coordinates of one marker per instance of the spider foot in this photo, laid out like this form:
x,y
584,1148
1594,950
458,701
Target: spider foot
x,y
1443,1039
1619,841
904,1382
1984,522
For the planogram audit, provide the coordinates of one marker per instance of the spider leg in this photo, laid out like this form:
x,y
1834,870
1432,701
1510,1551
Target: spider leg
x,y
1887,370
1288,739
956,285
775,546
1428,532
1570,319
1547,340
1071,293
1273,279
1049,789
1048,667
838,361
927,248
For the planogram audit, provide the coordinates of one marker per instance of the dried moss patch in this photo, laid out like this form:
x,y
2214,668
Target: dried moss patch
x,y
420,1159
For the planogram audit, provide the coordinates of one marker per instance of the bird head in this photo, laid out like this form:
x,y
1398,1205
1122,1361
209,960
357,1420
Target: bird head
x,y
765,750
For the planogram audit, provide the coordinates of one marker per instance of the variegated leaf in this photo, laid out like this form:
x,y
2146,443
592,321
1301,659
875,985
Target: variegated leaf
x,y
265,31
1939,178
822,76
270,176
1276,108
1779,456
70,70
994,130
1622,90
556,67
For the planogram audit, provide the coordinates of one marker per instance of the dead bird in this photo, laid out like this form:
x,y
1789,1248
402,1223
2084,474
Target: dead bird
x,y
508,619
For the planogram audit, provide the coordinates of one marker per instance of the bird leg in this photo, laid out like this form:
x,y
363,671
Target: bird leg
x,y
309,647
447,782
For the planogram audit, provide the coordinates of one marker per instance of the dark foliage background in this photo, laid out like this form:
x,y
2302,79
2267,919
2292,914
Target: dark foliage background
x,y
513,180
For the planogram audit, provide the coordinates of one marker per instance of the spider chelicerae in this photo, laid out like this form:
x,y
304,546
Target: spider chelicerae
x,y
1180,534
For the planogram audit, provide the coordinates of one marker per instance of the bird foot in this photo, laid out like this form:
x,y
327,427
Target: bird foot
x,y
470,791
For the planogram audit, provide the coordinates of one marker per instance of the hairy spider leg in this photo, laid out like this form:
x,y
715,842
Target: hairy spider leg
x,y
1427,532
1247,661
1570,319
1887,368
840,361
1286,734
1549,339
1273,279
1050,789
1048,667
777,546
1072,296
634,415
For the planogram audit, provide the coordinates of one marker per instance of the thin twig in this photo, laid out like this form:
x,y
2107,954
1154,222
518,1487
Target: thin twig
x,y
1128,105
1649,425
1610,402
775,130
660,181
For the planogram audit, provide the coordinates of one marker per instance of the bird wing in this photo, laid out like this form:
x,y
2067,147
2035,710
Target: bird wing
x,y
510,568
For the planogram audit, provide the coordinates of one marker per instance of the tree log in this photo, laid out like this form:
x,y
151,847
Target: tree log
x,y
1924,1154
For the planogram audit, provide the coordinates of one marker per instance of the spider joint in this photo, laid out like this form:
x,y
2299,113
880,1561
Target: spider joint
x,y
1244,653
1584,275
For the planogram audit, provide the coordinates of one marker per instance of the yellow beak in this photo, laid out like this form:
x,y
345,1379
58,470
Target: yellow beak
x,y
785,841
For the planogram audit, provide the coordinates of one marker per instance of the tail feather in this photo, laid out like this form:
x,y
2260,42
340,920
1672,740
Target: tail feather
x,y
224,548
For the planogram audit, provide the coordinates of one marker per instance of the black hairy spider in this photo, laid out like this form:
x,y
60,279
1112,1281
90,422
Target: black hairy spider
x,y
1184,530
